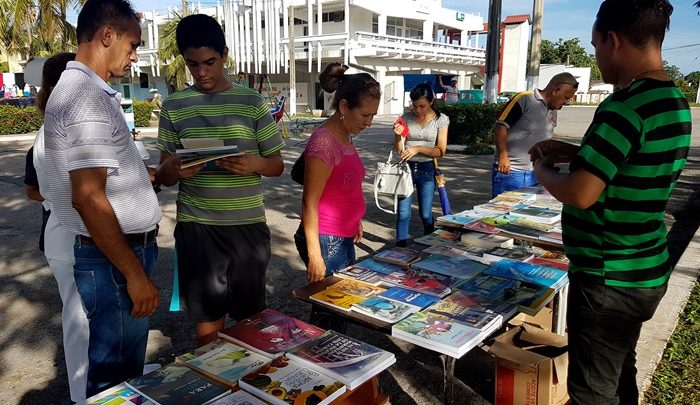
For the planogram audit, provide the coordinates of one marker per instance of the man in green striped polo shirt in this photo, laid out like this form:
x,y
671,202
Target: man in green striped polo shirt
x,y
614,200
221,237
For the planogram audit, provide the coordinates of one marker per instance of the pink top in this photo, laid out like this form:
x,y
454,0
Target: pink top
x,y
342,204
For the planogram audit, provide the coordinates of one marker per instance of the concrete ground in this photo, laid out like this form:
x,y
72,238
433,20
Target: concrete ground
x,y
32,369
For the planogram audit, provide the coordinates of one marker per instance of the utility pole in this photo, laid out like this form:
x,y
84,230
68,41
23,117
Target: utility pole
x,y
184,8
292,65
493,47
533,68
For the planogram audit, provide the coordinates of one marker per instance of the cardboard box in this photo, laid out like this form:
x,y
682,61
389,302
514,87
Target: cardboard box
x,y
531,367
543,319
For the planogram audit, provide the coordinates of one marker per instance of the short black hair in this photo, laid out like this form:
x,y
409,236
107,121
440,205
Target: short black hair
x,y
422,90
640,21
98,13
200,31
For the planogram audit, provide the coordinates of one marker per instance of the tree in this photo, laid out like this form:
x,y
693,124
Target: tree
x,y
569,52
169,55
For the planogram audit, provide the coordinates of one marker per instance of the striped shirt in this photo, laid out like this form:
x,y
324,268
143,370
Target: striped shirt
x,y
637,144
238,116
529,120
85,128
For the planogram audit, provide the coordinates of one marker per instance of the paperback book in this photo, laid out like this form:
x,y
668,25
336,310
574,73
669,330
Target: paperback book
x,y
447,337
384,309
194,156
520,271
461,267
459,307
239,397
284,382
342,357
357,288
440,237
457,220
521,231
270,333
120,394
498,253
421,281
223,361
360,274
399,256
537,214
410,297
486,240
482,227
174,384
336,298
378,266
506,296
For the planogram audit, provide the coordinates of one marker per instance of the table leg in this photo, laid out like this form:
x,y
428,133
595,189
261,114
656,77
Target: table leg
x,y
448,378
559,309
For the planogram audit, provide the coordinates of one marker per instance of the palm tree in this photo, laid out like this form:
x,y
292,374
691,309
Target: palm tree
x,y
169,55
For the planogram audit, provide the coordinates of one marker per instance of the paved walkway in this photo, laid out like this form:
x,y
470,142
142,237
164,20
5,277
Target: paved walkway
x,y
31,363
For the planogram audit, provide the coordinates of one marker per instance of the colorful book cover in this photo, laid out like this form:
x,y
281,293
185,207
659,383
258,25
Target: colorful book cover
x,y
360,274
459,267
176,385
459,307
436,334
499,253
486,240
457,220
527,223
409,297
285,382
378,266
384,309
339,356
357,288
271,332
398,256
120,394
223,361
421,281
239,397
521,231
521,271
547,263
439,237
537,214
502,295
337,299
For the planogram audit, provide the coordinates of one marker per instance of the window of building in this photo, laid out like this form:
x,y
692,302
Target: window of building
x,y
331,16
402,27
375,24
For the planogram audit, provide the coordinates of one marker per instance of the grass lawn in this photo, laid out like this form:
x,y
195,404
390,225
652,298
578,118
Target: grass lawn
x,y
677,378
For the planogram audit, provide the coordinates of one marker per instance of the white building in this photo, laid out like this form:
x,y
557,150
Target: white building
x,y
386,39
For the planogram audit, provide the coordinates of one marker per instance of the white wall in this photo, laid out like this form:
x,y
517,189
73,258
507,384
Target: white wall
x,y
582,75
513,77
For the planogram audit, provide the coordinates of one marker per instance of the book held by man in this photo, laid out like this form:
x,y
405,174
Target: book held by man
x,y
194,156
342,357
270,332
283,381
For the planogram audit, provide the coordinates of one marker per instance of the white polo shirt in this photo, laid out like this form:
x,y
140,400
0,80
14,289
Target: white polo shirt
x,y
84,128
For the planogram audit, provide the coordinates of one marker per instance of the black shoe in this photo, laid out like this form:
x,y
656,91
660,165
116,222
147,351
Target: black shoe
x,y
402,243
428,229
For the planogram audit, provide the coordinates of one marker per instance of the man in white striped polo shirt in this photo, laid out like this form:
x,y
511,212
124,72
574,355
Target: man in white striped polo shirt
x,y
101,191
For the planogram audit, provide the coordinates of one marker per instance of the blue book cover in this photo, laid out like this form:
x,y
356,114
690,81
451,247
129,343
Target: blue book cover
x,y
436,333
409,297
454,266
176,385
531,273
380,267
503,295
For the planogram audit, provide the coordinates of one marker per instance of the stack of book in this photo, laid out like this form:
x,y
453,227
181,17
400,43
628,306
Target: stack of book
x,y
195,156
398,256
486,240
345,293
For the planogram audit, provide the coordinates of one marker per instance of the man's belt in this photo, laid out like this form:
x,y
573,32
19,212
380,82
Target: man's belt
x,y
131,238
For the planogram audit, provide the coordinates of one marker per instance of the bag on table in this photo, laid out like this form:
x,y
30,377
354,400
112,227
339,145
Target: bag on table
x,y
392,179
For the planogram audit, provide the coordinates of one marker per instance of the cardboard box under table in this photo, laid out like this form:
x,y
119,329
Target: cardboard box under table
x,y
531,367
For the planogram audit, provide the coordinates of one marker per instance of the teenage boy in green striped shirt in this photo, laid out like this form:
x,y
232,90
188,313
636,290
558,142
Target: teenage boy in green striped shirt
x,y
221,237
614,200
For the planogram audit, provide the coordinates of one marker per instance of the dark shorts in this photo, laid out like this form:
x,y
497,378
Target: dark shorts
x,y
222,269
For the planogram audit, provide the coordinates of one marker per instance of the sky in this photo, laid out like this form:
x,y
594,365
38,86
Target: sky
x,y
562,19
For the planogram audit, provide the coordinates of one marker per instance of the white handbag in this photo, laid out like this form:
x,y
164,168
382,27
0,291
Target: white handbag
x,y
392,179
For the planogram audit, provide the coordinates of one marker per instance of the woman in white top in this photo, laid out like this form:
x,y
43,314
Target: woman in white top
x,y
58,249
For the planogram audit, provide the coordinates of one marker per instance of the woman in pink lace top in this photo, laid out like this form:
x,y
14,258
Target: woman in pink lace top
x,y
332,203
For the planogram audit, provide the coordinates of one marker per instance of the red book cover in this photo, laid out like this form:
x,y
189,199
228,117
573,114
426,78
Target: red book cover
x,y
271,332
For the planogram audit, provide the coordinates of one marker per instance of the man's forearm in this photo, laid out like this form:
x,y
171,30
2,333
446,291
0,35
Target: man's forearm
x,y
271,166
500,138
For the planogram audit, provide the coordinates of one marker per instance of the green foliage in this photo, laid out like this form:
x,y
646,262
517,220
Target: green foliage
x,y
142,113
4,67
15,120
471,125
677,377
568,51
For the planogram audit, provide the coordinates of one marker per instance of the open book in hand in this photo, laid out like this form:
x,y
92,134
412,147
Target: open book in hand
x,y
194,156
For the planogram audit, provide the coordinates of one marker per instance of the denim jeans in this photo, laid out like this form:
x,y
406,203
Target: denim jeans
x,y
117,347
501,182
423,174
338,252
604,324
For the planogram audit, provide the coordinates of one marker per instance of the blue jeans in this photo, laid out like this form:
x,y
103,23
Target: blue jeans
x,y
338,252
117,347
501,182
423,174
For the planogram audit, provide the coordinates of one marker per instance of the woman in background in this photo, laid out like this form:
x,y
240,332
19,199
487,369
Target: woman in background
x,y
332,203
426,140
